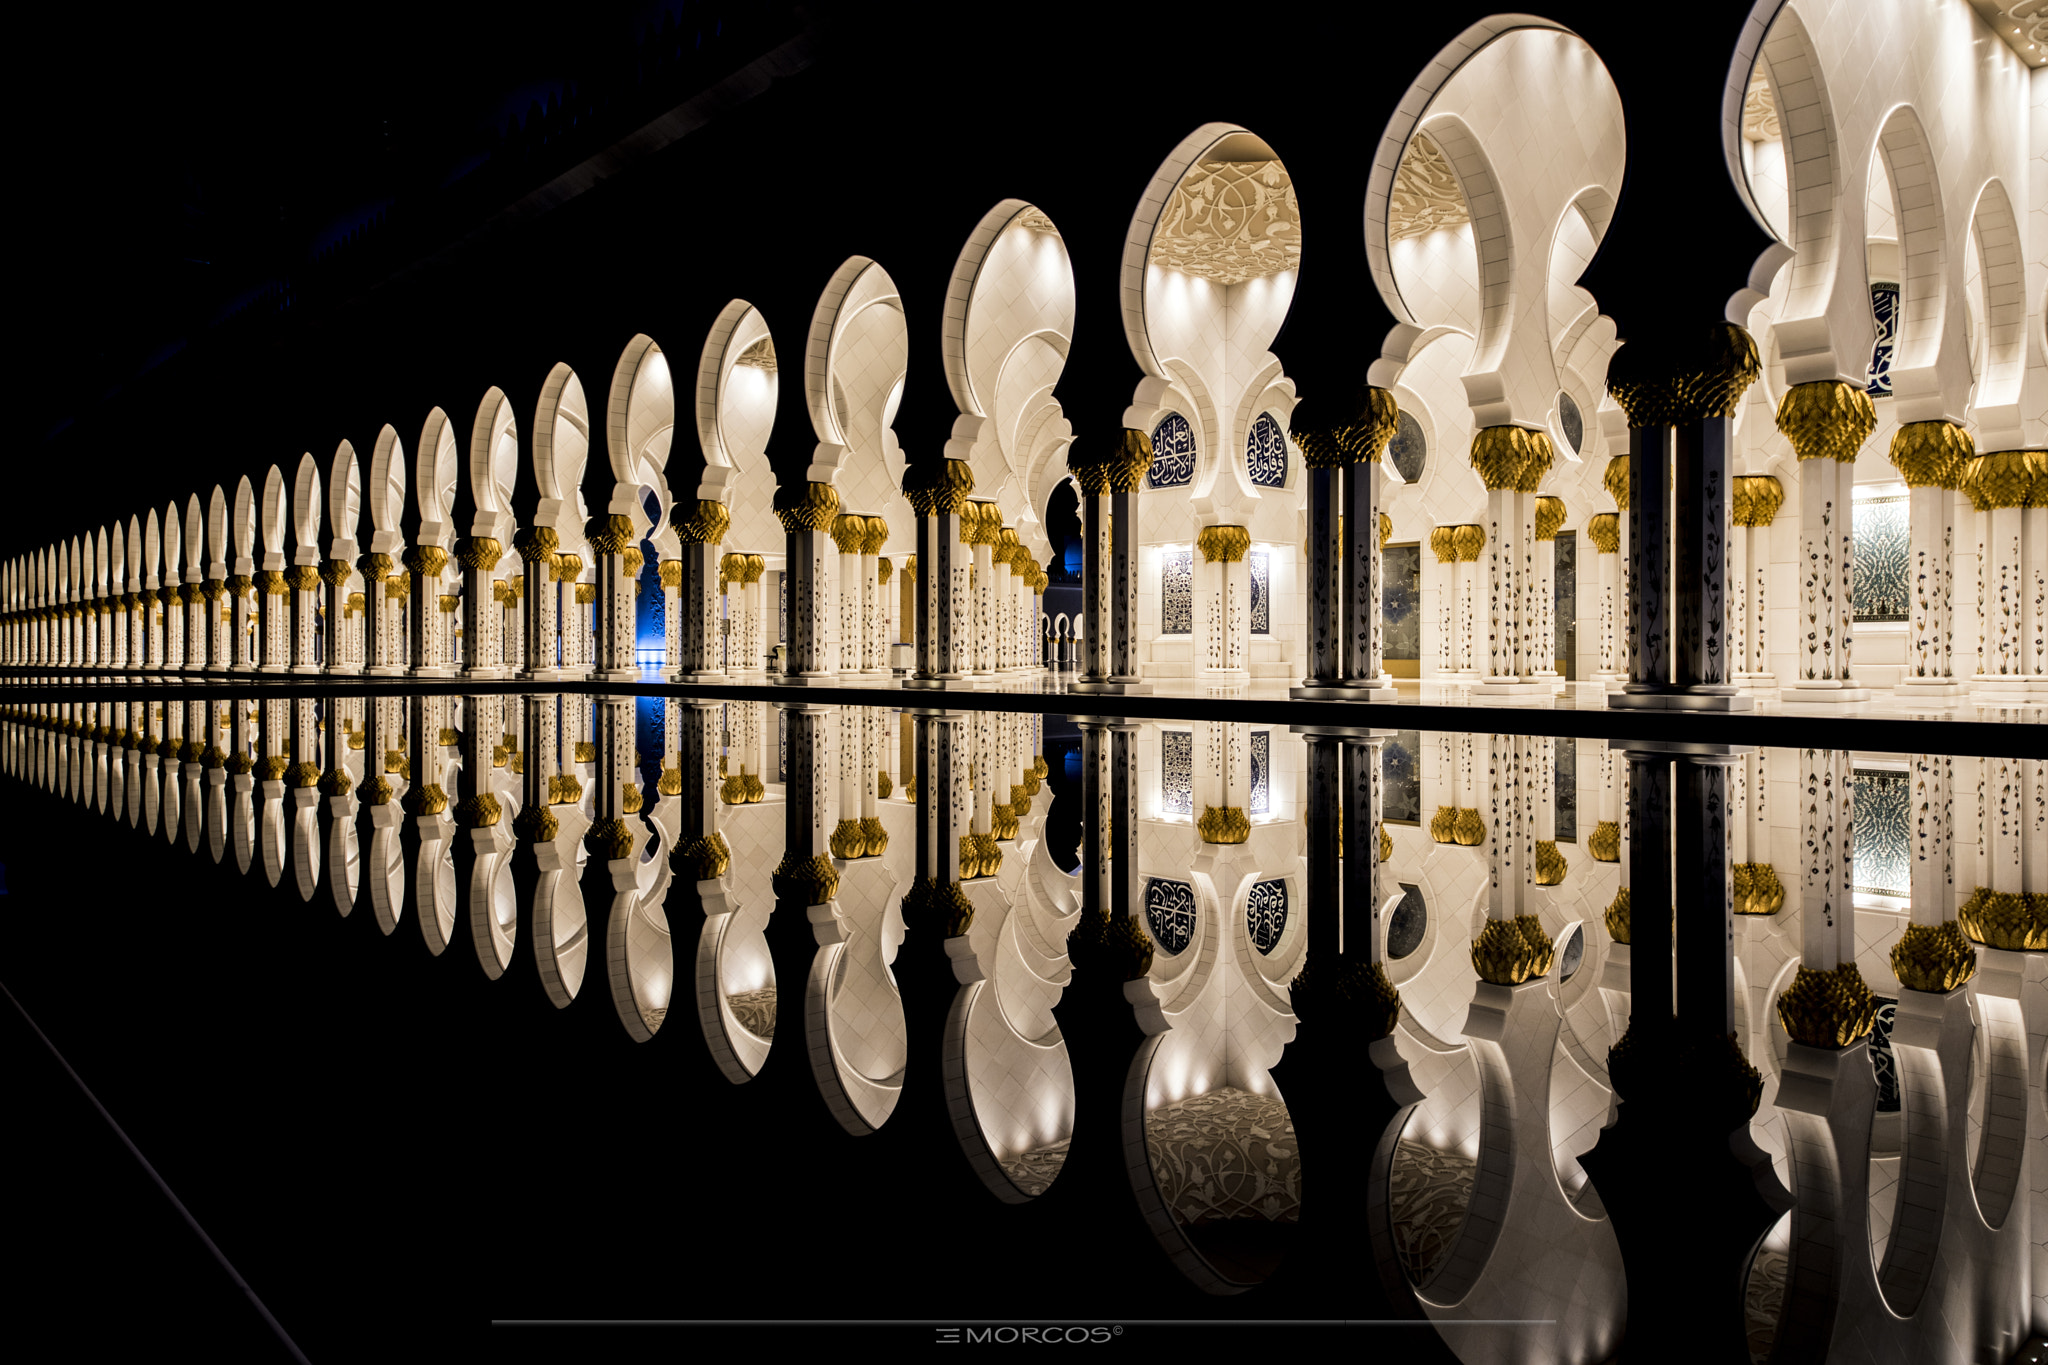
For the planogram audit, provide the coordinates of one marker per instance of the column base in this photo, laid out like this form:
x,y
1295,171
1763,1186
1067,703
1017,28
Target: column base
x,y
1929,689
805,679
302,670
1113,687
541,675
1513,687
703,675
433,673
1757,682
1681,701
602,675
383,671
957,682
1828,695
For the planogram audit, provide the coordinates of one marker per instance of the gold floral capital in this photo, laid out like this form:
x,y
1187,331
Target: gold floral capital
x,y
1513,458
1933,957
609,535
1443,544
701,522
2006,478
2016,921
478,552
1617,917
1826,420
810,880
1550,864
1604,530
1831,1009
1224,825
806,507
1550,517
1469,829
1932,454
537,544
1754,499
1223,544
1359,439
1468,540
1509,952
1664,382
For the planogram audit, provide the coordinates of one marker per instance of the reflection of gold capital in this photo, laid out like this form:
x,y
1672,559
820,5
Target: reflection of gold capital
x,y
1470,829
1617,917
612,839
1114,945
1550,864
1224,825
536,824
2016,921
478,811
1605,845
1443,824
1509,952
1933,957
848,840
807,880
1830,1009
1386,842
876,836
1357,993
704,858
1758,890
1826,420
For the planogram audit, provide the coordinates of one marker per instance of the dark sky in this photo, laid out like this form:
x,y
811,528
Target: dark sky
x,y
173,160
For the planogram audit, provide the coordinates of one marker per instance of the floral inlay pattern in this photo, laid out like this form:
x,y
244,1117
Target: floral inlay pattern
x,y
1882,810
1177,592
1881,586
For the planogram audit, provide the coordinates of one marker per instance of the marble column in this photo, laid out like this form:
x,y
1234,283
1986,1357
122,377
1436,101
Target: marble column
x,y
2000,485
1362,933
429,622
1227,598
539,550
940,571
1550,518
1604,531
848,531
1092,481
1470,542
1003,600
980,526
1510,462
1754,506
1931,456
807,511
875,635
1827,423
1364,676
700,527
482,615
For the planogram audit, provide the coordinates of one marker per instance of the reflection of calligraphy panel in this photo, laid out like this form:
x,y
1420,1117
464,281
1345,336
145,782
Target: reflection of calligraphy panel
x,y
1265,915
1177,772
1409,449
1882,811
1408,923
1173,452
1265,453
1880,585
1401,604
1262,592
781,745
1177,592
1884,1063
1170,913
1262,772
1564,803
1401,779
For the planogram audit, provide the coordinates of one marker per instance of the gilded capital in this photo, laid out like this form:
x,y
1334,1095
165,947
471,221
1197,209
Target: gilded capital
x,y
1932,454
1826,420
849,533
702,522
1662,382
1550,864
609,535
1754,499
1830,1009
671,571
1442,543
2006,478
1355,437
1514,458
1550,515
1223,544
877,536
1618,916
1604,530
1933,957
537,544
812,881
478,552
1468,540
1509,952
806,506
933,492
1223,825
2016,921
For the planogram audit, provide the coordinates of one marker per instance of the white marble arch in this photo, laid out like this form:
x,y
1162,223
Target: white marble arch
x,y
1996,289
305,512
853,1016
1009,321
195,539
737,383
561,450
733,961
561,923
244,527
436,470
855,358
1931,370
386,492
640,965
1531,124
274,519
344,518
493,467
640,420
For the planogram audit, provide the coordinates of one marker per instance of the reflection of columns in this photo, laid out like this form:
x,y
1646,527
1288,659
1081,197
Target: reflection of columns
x,y
1324,565
805,875
697,631
1828,1005
1510,846
1365,531
1550,517
1510,461
1827,423
941,796
1931,456
1754,503
940,569
1361,935
1227,592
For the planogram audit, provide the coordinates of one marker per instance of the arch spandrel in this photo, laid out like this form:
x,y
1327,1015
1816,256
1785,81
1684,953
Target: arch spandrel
x,y
1999,353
